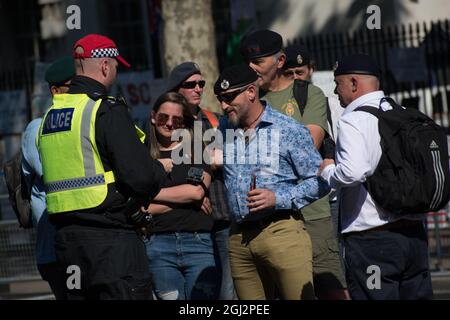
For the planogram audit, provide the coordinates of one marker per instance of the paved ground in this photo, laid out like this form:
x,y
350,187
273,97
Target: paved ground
x,y
39,290
441,285
25,290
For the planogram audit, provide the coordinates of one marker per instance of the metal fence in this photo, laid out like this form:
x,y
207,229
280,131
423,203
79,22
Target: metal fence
x,y
415,64
17,253
439,239
423,84
414,58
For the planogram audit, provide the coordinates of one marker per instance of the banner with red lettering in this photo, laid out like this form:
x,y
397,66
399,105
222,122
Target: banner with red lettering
x,y
140,91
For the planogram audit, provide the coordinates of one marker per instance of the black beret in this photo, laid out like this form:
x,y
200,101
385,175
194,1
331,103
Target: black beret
x,y
60,71
297,55
235,76
261,43
180,73
359,63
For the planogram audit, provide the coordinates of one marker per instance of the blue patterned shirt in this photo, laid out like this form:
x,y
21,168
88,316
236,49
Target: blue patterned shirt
x,y
280,153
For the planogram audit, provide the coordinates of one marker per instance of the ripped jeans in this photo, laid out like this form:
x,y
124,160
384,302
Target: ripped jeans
x,y
182,266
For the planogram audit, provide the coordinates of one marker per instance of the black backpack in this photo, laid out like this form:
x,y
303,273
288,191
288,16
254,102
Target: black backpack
x,y
300,90
413,173
19,191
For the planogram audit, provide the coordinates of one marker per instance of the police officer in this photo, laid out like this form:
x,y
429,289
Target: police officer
x,y
96,174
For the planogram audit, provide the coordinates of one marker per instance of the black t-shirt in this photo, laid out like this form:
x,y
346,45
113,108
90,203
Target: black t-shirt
x,y
186,217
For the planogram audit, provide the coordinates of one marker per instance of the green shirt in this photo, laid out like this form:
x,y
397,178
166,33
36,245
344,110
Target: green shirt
x,y
315,113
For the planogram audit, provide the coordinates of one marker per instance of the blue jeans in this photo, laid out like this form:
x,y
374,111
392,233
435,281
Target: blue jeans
x,y
223,262
182,266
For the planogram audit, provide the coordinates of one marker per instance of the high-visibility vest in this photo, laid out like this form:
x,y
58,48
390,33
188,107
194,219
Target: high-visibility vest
x,y
73,173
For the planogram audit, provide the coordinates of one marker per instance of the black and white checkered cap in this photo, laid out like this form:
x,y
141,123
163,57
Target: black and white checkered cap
x,y
105,53
97,46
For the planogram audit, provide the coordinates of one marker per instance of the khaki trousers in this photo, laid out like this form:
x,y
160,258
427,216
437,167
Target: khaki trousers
x,y
269,256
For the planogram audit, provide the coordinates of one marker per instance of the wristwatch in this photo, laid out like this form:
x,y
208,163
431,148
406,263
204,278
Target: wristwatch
x,y
195,177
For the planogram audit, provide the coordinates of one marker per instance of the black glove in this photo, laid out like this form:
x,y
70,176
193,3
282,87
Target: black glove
x,y
142,219
144,223
328,148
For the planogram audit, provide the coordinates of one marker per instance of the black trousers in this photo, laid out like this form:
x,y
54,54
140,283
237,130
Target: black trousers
x,y
388,264
113,263
55,276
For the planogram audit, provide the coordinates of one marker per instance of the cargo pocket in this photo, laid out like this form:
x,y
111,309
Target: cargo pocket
x,y
333,246
138,289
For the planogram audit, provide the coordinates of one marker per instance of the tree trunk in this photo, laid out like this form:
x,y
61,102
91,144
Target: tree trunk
x,y
189,36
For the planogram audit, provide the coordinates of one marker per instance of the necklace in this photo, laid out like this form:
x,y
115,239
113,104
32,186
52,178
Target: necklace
x,y
248,127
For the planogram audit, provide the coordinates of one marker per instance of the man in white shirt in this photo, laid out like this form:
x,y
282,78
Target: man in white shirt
x,y
386,256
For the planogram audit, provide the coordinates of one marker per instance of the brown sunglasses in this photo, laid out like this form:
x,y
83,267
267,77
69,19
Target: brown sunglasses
x,y
162,118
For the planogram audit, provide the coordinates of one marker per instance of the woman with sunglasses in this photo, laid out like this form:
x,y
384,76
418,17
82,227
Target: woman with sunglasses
x,y
180,248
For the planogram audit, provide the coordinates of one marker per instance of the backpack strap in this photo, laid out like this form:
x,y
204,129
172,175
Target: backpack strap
x,y
329,119
300,91
211,118
375,113
368,109
26,185
392,102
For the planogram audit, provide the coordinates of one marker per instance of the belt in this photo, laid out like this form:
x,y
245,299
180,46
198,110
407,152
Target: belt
x,y
264,222
396,225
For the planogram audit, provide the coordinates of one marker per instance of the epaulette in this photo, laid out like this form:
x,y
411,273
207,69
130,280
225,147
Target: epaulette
x,y
115,101
110,99
95,95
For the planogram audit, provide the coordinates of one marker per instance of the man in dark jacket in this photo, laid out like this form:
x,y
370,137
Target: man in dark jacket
x,y
93,203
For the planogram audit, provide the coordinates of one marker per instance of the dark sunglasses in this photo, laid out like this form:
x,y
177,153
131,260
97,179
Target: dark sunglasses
x,y
162,118
193,84
230,96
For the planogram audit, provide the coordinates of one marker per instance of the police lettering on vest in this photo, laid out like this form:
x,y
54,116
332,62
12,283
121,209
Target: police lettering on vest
x,y
58,120
74,176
